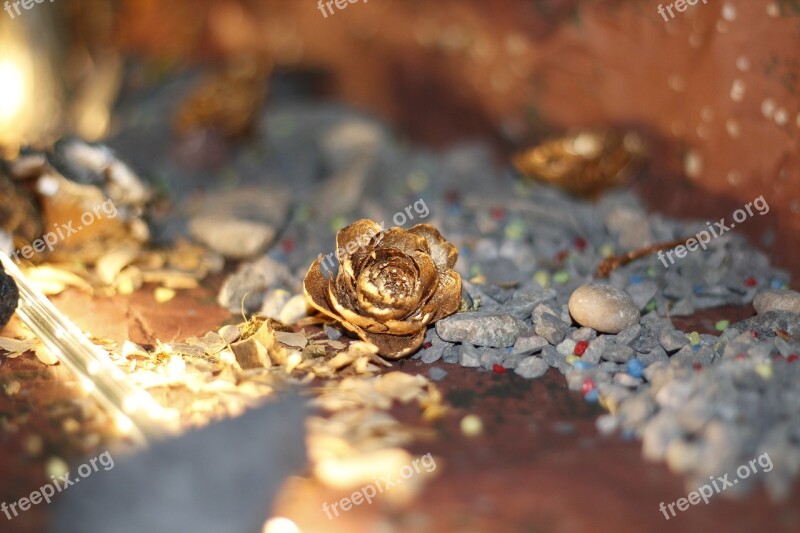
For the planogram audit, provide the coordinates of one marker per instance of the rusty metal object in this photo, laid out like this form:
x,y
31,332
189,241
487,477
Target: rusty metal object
x,y
584,163
390,286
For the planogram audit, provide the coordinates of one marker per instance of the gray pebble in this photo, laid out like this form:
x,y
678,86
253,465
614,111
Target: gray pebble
x,y
777,300
618,353
529,343
672,340
531,367
436,373
603,308
469,357
496,330
551,328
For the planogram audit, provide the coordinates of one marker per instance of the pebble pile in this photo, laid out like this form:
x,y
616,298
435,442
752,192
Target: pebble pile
x,y
703,403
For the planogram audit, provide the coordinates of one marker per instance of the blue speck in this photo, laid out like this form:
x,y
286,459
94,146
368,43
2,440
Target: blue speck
x,y
509,349
582,365
635,368
628,434
697,288
636,278
696,347
777,284
591,396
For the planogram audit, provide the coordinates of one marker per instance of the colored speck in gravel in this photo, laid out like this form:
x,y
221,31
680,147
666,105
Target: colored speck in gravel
x,y
722,325
754,334
337,223
475,270
792,358
572,359
694,338
561,277
697,366
498,213
471,425
592,396
698,288
764,370
498,369
776,284
635,368
515,230
417,181
636,278
741,356
427,345
650,306
751,281
580,244
607,250
651,272
561,256
582,365
587,386
580,347
542,278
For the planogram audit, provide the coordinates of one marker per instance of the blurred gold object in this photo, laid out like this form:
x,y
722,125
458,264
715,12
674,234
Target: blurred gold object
x,y
584,163
228,100
31,95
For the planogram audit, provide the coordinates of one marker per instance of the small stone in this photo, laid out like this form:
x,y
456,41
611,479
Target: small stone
x,y
551,328
642,293
618,353
529,343
495,330
595,350
603,307
672,340
332,333
777,300
469,357
531,367
436,373
583,334
628,335
566,347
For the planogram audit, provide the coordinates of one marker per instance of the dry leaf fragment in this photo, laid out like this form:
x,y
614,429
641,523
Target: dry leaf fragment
x,y
14,347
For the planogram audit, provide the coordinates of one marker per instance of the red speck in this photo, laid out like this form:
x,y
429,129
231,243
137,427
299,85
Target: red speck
x,y
427,345
588,386
451,196
580,348
560,256
792,358
754,333
288,245
499,369
498,213
782,332
741,356
697,366
580,244
751,281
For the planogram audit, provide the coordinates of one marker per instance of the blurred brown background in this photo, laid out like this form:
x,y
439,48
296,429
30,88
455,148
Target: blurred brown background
x,y
715,90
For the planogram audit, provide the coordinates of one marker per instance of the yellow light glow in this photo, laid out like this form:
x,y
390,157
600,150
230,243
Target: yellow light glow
x,y
280,524
12,90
